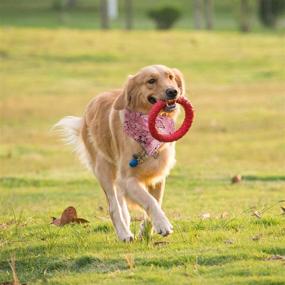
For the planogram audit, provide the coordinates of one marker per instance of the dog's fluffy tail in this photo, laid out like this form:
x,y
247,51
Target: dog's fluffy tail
x,y
69,129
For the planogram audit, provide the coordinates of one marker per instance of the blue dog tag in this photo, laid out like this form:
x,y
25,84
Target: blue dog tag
x,y
133,163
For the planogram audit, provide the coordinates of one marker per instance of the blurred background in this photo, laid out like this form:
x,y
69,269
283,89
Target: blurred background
x,y
244,15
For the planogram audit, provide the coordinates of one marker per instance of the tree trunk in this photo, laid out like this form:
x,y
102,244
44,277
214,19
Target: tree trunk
x,y
269,14
104,15
70,3
209,14
112,9
245,16
197,14
129,14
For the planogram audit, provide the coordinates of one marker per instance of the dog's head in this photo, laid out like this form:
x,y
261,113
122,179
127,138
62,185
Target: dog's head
x,y
150,84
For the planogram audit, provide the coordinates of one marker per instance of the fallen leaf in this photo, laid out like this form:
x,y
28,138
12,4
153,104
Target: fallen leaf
x,y
68,216
205,216
283,210
159,243
236,179
100,208
276,257
256,237
55,221
257,214
3,226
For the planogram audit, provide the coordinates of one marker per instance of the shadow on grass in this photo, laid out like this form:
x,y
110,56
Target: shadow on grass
x,y
40,263
274,250
264,178
17,182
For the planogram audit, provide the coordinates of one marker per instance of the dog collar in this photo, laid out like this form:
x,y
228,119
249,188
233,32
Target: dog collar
x,y
136,127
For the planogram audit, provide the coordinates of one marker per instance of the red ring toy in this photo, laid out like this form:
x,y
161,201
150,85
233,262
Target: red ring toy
x,y
157,107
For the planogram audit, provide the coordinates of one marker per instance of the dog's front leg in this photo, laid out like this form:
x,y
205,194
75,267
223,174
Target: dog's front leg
x,y
157,191
138,193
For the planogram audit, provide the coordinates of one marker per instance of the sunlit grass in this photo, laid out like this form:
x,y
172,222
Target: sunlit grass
x,y
235,82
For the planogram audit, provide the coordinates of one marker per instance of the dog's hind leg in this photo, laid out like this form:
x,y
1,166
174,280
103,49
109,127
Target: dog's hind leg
x,y
105,173
157,191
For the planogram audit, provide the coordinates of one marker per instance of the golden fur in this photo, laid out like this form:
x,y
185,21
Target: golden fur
x,y
101,142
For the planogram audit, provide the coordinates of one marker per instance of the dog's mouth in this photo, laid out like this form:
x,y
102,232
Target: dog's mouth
x,y
170,104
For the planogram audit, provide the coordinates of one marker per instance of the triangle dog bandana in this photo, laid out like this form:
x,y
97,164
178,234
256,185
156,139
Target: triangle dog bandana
x,y
136,126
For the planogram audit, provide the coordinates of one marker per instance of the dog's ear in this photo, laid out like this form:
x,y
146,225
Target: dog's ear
x,y
179,78
125,98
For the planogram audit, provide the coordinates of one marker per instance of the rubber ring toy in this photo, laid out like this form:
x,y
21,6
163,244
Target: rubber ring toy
x,y
186,125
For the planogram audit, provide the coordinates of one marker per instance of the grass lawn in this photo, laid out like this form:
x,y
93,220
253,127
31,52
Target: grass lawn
x,y
235,82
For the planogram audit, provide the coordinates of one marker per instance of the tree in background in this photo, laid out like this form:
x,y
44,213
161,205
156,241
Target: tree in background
x,y
203,10
269,10
104,17
70,3
164,17
209,14
129,14
197,14
244,16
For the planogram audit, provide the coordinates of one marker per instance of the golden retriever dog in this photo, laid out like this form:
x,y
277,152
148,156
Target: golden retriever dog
x,y
101,142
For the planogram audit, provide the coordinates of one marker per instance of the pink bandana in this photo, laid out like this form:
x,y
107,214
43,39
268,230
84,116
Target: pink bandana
x,y
136,126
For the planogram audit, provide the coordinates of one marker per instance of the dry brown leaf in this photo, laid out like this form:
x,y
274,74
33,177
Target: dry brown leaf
x,y
3,226
276,257
55,221
68,216
159,243
256,237
236,179
283,210
257,214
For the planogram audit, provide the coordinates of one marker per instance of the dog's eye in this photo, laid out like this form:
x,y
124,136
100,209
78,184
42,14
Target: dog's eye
x,y
171,76
151,81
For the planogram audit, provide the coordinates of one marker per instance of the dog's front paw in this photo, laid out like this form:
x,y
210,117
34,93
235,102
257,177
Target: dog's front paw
x,y
126,236
162,226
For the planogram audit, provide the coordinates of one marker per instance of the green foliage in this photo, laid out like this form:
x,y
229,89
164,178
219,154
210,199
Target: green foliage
x,y
58,5
164,17
269,10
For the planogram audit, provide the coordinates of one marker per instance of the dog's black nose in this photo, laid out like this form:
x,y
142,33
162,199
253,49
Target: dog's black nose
x,y
171,93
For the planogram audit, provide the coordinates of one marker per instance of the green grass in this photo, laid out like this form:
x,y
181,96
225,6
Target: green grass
x,y
235,82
